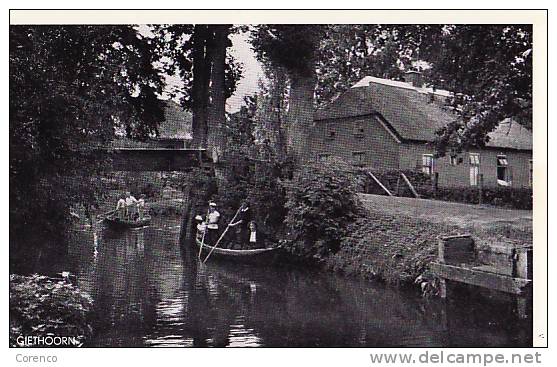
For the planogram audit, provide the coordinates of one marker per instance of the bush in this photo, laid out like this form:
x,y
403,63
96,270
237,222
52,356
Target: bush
x,y
40,306
322,202
258,182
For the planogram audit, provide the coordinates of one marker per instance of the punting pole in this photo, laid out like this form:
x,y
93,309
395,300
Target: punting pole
x,y
222,235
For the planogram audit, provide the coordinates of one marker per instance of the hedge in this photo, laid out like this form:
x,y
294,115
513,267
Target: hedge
x,y
508,197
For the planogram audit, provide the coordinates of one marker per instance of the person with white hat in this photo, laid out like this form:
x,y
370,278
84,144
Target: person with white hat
x,y
213,217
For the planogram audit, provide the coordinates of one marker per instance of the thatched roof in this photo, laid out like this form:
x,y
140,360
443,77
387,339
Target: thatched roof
x,y
413,114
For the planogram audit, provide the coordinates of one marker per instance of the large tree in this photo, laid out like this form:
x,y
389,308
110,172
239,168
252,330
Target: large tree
x,y
208,74
187,52
294,48
71,88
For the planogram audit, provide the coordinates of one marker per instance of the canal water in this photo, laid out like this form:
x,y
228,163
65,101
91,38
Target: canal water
x,y
146,293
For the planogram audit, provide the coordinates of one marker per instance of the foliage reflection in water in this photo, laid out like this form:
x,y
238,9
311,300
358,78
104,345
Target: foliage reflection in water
x,y
147,293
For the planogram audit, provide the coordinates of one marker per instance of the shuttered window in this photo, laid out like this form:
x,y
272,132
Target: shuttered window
x,y
359,158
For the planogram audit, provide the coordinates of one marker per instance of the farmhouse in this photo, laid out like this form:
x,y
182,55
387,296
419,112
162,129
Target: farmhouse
x,y
383,124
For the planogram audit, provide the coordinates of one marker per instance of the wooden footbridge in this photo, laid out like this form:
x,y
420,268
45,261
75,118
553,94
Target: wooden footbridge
x,y
156,159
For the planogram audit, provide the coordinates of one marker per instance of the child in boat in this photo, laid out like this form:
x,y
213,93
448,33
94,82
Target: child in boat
x,y
141,206
252,241
257,237
121,207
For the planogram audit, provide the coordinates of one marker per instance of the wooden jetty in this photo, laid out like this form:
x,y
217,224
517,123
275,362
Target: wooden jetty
x,y
501,267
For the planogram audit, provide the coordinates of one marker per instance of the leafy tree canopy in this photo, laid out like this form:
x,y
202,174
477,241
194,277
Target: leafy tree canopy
x,y
71,88
175,47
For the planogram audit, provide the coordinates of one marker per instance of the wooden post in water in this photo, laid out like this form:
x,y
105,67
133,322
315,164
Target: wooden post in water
x,y
441,260
522,268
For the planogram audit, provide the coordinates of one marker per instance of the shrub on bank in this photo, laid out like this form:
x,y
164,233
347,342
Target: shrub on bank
x,y
322,202
41,306
388,248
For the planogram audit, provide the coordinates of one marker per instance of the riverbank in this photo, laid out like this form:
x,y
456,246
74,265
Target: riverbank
x,y
44,307
396,238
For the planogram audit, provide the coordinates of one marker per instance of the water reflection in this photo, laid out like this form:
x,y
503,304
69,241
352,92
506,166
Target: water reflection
x,y
147,293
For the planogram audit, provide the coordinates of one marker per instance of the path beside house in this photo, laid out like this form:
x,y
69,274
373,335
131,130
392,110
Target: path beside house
x,y
469,217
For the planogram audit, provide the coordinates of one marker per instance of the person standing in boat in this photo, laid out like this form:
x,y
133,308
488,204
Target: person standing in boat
x,y
121,207
141,206
240,226
131,206
213,217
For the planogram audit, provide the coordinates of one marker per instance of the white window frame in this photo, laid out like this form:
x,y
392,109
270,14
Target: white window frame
x,y
503,162
474,161
428,168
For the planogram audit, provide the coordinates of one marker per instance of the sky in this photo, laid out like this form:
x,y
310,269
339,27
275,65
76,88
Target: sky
x,y
253,71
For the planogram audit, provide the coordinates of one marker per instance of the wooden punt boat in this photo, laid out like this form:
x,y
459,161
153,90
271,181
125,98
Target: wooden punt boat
x,y
117,223
259,255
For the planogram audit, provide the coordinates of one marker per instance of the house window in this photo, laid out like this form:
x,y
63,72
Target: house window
x,y
359,158
322,157
503,178
427,164
359,129
474,168
531,175
453,159
330,135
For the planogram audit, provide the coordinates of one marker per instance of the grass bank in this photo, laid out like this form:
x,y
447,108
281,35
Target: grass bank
x,y
395,239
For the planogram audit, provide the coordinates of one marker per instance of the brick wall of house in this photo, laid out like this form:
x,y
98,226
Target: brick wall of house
x,y
459,174
348,137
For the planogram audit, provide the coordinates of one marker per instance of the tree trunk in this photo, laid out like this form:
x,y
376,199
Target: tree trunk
x,y
277,123
300,115
200,87
216,115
